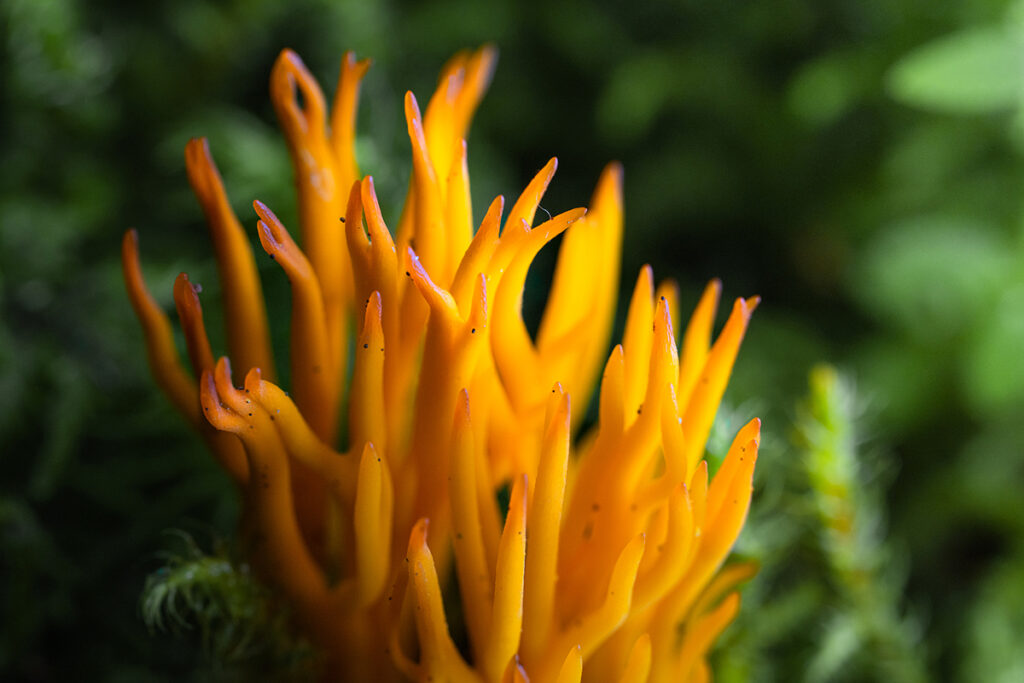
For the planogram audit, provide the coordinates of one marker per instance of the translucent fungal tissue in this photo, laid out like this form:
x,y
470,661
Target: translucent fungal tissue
x,y
367,488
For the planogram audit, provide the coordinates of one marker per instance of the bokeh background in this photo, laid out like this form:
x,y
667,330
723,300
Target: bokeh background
x,y
858,164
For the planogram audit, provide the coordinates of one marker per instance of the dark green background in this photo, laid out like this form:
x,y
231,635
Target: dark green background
x,y
858,164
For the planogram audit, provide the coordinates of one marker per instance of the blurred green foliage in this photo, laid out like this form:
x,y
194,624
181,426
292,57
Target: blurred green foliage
x,y
857,164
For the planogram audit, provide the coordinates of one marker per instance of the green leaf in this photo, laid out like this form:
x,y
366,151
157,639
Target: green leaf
x,y
976,71
993,374
933,275
635,95
994,623
826,87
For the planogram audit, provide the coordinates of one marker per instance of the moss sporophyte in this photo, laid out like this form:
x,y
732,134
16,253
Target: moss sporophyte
x,y
609,562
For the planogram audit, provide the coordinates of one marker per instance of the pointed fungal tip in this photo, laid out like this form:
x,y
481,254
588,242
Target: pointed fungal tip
x,y
254,376
223,367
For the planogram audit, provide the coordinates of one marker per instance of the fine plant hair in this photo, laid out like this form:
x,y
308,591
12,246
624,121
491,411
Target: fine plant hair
x,y
241,627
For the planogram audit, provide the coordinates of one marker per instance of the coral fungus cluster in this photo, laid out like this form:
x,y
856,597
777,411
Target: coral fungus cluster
x,y
608,562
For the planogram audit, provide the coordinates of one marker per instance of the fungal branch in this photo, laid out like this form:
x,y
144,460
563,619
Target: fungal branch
x,y
609,558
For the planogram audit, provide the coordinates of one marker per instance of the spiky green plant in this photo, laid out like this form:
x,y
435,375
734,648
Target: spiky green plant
x,y
242,629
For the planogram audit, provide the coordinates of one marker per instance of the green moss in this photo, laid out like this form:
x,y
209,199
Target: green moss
x,y
242,628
